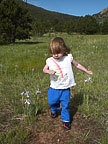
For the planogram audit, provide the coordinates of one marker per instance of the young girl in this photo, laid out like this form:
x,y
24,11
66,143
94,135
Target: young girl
x,y
59,67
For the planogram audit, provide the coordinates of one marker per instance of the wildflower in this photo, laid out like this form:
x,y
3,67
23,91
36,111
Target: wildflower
x,y
22,93
38,92
33,69
70,46
46,54
87,80
27,94
90,52
16,65
1,65
27,101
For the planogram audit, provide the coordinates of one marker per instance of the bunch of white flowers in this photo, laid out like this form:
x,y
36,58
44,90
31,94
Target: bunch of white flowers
x,y
87,80
27,93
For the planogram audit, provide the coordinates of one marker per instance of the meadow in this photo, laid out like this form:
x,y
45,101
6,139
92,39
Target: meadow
x,y
24,86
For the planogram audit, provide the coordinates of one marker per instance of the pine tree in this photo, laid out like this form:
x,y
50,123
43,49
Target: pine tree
x,y
69,27
15,21
105,27
87,25
91,25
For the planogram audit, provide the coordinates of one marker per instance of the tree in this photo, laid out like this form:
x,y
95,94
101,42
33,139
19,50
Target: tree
x,y
91,25
58,27
87,25
104,27
15,21
41,27
80,25
69,27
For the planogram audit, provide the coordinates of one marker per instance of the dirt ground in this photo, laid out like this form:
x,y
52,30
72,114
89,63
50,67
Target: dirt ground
x,y
84,130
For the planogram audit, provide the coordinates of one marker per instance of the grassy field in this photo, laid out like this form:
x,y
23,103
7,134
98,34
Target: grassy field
x,y
23,86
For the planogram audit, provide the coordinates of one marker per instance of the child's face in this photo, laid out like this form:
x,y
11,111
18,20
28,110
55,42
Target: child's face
x,y
57,56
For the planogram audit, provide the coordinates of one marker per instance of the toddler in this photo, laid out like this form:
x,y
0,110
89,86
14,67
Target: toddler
x,y
59,67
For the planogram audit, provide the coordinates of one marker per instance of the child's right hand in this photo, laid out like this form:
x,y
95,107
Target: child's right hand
x,y
52,72
47,71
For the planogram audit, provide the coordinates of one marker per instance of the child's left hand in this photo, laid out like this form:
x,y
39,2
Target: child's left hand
x,y
90,72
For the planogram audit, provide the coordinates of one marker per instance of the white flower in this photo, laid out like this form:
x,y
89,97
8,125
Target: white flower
x,y
46,54
27,102
87,80
16,65
70,46
1,65
27,94
90,52
38,92
33,69
22,93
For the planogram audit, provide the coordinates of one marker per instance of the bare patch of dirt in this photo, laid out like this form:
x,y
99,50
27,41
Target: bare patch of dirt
x,y
50,131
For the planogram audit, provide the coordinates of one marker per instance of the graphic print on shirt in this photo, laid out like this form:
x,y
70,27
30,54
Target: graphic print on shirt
x,y
59,74
58,70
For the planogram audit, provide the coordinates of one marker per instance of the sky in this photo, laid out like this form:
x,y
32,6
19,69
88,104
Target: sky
x,y
72,7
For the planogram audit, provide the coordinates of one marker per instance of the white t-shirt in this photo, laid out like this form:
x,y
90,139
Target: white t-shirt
x,y
64,77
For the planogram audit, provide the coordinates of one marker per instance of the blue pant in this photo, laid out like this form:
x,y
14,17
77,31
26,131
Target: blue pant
x,y
57,96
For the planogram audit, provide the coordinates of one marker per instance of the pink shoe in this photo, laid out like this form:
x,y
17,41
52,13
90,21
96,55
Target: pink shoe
x,y
67,125
53,115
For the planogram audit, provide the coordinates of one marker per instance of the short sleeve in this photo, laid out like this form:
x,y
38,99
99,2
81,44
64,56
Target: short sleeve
x,y
70,57
48,61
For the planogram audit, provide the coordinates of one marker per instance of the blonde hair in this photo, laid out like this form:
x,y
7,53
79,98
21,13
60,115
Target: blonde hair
x,y
57,45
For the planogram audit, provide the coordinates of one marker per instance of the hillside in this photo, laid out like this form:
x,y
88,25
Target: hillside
x,y
42,14
101,16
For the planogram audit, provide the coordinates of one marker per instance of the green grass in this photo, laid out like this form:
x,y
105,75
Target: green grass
x,y
15,136
21,67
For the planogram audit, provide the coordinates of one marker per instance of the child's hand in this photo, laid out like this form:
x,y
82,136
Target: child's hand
x,y
52,72
47,71
90,72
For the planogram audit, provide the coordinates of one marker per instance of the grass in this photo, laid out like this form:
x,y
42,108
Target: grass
x,y
21,67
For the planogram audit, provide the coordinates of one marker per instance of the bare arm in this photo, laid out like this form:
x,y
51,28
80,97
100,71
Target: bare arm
x,y
79,66
47,71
